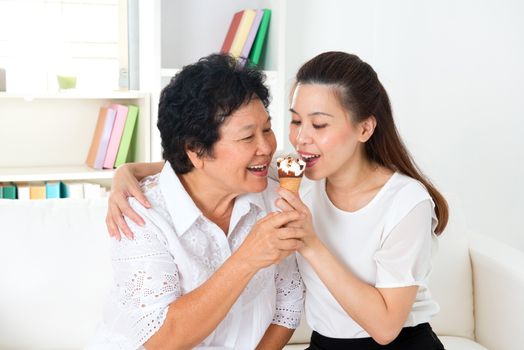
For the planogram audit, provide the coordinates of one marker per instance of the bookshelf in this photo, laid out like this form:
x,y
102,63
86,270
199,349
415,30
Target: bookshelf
x,y
46,137
174,33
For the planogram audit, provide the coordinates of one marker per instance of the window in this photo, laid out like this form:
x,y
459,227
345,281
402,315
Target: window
x,y
40,39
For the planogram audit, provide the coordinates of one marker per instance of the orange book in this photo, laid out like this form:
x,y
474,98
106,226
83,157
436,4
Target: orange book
x,y
37,191
97,136
231,32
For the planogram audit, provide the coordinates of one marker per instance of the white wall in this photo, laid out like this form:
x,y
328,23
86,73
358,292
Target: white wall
x,y
454,71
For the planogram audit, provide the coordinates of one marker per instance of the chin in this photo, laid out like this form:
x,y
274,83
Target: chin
x,y
314,175
257,187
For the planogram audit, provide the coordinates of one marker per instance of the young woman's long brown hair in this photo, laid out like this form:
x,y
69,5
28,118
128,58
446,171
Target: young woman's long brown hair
x,y
360,91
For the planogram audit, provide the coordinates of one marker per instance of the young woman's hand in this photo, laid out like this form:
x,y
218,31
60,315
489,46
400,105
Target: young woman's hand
x,y
124,185
291,201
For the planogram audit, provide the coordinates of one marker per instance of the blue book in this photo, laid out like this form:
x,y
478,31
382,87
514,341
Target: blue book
x,y
52,189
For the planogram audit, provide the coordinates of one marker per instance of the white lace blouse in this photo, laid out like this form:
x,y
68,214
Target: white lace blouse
x,y
176,251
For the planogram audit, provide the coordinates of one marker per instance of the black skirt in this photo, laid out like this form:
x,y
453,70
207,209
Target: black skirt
x,y
420,337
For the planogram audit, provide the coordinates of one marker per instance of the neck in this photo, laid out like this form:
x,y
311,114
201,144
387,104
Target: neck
x,y
352,175
214,202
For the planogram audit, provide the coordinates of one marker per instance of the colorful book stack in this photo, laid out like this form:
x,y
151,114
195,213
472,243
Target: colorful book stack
x,y
246,35
51,189
112,137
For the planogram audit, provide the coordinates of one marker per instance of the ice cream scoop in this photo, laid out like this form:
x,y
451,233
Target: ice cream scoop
x,y
290,172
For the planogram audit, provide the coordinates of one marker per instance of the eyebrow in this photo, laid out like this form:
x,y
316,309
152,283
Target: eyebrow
x,y
313,114
251,126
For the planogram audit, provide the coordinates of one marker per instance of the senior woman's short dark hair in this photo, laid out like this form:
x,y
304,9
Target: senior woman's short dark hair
x,y
198,100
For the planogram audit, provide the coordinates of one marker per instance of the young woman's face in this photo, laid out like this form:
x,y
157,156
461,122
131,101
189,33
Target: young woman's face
x,y
242,154
321,130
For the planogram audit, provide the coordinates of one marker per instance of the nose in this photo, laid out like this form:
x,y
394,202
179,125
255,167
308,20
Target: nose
x,y
303,135
266,145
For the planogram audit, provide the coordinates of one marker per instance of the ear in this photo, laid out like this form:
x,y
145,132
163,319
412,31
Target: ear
x,y
197,161
367,128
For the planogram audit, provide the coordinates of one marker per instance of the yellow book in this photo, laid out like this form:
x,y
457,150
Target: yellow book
x,y
37,191
242,32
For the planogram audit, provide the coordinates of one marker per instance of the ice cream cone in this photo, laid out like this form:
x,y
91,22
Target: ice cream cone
x,y
290,183
290,172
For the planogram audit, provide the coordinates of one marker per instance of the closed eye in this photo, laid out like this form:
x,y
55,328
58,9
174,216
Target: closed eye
x,y
319,126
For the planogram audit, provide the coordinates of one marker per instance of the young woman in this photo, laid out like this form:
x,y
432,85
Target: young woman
x,y
372,217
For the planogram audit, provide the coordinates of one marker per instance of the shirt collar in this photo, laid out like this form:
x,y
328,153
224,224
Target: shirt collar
x,y
183,210
243,205
180,205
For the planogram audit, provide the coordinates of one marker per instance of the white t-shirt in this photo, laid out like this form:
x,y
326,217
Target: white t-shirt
x,y
176,251
388,243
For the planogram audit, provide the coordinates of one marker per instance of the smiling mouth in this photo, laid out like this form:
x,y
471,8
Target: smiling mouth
x,y
257,168
308,158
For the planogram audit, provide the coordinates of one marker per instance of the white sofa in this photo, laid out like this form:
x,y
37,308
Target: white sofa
x,y
55,274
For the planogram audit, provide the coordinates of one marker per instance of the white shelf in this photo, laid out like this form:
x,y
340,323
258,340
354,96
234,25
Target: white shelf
x,y
46,136
75,95
175,34
53,173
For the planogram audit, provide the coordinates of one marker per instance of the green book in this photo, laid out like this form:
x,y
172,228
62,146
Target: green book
x,y
258,45
127,136
8,191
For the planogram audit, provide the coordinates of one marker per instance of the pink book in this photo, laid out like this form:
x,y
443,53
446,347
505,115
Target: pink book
x,y
252,34
104,139
116,135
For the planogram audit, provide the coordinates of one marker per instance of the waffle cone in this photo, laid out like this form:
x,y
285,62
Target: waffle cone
x,y
290,183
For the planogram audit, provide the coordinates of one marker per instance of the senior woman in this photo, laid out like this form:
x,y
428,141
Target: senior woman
x,y
212,265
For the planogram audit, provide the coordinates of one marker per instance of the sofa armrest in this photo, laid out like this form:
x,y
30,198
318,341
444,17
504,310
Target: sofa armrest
x,y
498,284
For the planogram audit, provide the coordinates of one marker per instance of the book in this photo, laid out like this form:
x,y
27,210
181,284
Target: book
x,y
127,136
8,191
37,191
258,45
23,191
252,34
116,135
242,32
92,190
72,189
104,138
97,137
52,189
233,26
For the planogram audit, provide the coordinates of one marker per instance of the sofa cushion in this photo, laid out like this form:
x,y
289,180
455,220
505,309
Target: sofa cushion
x,y
55,272
458,343
302,334
451,283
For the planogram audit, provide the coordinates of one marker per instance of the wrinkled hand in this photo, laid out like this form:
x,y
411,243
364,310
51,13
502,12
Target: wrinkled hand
x,y
291,201
270,241
124,185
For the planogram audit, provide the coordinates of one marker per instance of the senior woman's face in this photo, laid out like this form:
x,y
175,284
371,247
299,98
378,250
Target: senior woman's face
x,y
242,154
